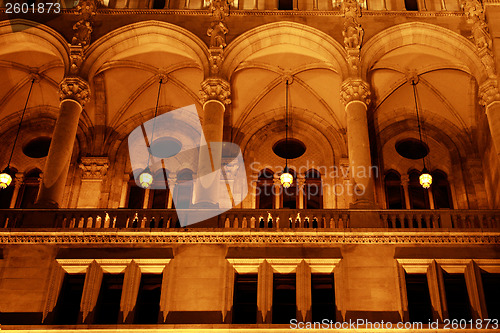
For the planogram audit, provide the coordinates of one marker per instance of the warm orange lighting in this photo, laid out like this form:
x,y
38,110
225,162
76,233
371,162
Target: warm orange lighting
x,y
286,179
146,179
425,179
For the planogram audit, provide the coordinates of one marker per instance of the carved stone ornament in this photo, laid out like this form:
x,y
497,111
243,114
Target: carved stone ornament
x,y
488,92
473,9
215,61
76,57
215,89
94,167
218,28
350,8
74,88
353,34
355,90
86,9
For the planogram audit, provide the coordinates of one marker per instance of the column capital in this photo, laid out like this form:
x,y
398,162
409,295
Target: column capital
x,y
74,88
405,179
215,89
94,167
488,92
355,90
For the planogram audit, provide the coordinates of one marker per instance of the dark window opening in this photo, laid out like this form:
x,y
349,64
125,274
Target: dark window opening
x,y
159,199
290,194
441,190
245,299
147,307
285,5
135,197
394,191
457,297
6,196
411,5
158,4
265,190
29,190
107,308
419,299
491,288
313,190
419,198
323,297
67,309
284,298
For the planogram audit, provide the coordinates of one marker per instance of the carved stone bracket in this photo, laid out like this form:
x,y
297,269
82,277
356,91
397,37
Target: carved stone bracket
x,y
215,89
94,167
215,59
488,92
76,58
355,90
74,88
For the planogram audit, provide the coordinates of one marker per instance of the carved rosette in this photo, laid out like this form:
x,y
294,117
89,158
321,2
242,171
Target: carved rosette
x,y
488,92
215,89
94,167
74,88
355,90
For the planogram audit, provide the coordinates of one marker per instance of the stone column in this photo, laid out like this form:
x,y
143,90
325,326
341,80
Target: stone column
x,y
354,94
123,197
300,189
216,94
74,92
277,191
404,182
172,182
94,169
17,185
490,98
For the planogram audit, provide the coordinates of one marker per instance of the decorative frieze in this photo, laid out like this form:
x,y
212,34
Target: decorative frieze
x,y
250,237
94,167
355,90
74,88
215,89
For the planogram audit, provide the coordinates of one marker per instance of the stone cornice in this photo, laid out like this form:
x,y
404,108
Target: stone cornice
x,y
314,238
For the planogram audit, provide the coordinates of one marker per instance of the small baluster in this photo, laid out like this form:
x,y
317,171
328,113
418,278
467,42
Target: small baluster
x,y
252,222
244,223
160,223
152,222
227,223
98,221
315,223
277,222
235,223
261,223
332,223
269,221
135,222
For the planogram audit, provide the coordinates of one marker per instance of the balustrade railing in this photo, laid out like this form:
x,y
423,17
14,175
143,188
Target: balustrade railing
x,y
260,219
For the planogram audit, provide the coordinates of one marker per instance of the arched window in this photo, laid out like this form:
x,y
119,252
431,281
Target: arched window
x,y
411,5
419,198
313,190
394,191
29,190
184,189
289,195
158,195
265,197
441,190
136,193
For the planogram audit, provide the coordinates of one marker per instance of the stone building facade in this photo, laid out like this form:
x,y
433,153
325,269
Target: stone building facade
x,y
368,93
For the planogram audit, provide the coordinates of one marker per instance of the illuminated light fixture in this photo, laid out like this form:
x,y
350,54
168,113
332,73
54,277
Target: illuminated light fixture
x,y
286,178
146,177
5,177
425,177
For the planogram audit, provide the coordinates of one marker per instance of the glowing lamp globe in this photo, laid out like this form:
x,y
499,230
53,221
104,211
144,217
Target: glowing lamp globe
x,y
146,179
425,179
5,180
286,179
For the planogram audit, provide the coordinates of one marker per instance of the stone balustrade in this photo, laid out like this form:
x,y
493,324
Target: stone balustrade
x,y
273,219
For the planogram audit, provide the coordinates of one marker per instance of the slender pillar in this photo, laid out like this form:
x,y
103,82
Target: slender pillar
x,y
17,185
206,189
277,191
74,92
172,182
404,182
490,99
300,188
354,94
